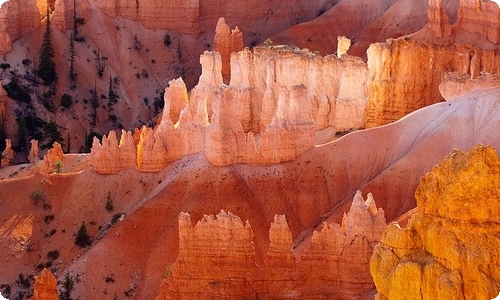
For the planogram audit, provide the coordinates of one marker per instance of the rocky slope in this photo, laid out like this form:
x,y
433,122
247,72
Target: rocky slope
x,y
446,252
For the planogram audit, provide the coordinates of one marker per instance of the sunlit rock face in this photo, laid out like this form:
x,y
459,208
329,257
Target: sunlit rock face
x,y
45,286
448,250
217,257
267,114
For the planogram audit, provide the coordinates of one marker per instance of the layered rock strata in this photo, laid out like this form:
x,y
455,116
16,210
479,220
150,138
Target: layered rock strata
x,y
45,286
449,249
267,114
17,17
480,17
216,258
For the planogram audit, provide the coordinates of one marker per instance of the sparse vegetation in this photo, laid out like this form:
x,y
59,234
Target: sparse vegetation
x,y
59,166
37,196
167,40
109,203
66,101
53,255
48,218
67,287
268,42
82,239
47,67
137,43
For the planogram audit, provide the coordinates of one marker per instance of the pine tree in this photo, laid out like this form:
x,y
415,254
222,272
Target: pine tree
x,y
82,239
47,67
51,135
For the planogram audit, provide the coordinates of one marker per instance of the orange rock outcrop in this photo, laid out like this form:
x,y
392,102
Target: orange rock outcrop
x,y
8,154
17,17
216,258
227,41
449,249
53,160
266,115
45,286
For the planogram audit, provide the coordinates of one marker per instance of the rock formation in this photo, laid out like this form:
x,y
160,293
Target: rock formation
x,y
53,160
7,154
439,22
45,286
110,156
480,17
17,17
33,157
448,250
397,91
453,86
343,45
227,41
266,115
216,258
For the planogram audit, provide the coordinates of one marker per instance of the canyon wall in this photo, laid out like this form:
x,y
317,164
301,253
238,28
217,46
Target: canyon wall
x,y
66,10
216,259
448,250
480,17
17,17
277,98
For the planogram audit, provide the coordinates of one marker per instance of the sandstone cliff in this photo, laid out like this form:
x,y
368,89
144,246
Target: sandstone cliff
x,y
45,286
267,114
448,250
17,17
223,246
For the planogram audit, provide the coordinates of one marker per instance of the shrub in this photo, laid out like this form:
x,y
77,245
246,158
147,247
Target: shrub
x,y
53,255
66,101
48,219
167,41
4,66
37,196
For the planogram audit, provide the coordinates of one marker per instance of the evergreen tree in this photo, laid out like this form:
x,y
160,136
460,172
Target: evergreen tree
x,y
51,135
82,239
47,67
